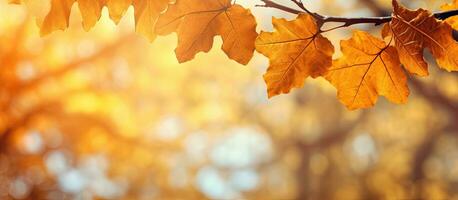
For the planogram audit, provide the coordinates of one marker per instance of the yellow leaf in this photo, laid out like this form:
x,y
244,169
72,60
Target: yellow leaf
x,y
117,8
146,14
58,16
196,23
90,11
296,50
368,68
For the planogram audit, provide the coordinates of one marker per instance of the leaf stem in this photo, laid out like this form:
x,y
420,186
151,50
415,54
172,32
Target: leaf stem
x,y
348,21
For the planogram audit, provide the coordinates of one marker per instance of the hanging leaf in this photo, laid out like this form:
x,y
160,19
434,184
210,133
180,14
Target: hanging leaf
x,y
296,50
368,68
413,31
197,23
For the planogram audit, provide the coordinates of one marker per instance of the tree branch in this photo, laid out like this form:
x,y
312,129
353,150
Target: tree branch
x,y
271,4
104,51
348,21
433,95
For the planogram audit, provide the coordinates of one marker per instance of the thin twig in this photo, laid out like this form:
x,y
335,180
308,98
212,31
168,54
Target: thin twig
x,y
348,21
108,49
302,6
271,4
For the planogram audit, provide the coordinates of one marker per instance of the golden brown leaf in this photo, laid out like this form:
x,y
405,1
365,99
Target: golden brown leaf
x,y
58,17
413,31
117,8
90,11
196,23
453,21
296,51
146,14
368,68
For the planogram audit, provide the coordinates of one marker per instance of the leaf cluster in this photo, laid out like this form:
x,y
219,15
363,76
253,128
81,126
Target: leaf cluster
x,y
298,49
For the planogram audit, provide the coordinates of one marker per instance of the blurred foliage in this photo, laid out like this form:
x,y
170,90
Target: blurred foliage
x,y
107,115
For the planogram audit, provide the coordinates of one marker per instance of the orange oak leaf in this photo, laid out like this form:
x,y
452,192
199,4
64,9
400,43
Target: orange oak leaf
x,y
197,22
369,67
117,8
146,14
58,17
91,10
296,50
413,31
453,21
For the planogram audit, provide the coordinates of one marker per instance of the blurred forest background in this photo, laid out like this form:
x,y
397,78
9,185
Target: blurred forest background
x,y
105,114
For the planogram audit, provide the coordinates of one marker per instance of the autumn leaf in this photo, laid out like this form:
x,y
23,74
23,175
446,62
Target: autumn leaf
x,y
453,21
91,12
58,17
117,8
197,22
296,50
413,31
369,67
146,14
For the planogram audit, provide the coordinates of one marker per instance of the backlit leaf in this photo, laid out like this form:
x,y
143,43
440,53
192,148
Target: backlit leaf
x,y
413,31
453,21
197,23
146,14
296,50
368,68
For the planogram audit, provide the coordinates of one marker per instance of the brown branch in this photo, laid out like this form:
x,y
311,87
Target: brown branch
x,y
271,4
433,95
15,123
334,136
348,21
106,50
302,6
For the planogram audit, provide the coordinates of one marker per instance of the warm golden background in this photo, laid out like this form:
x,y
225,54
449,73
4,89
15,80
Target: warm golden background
x,y
107,115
